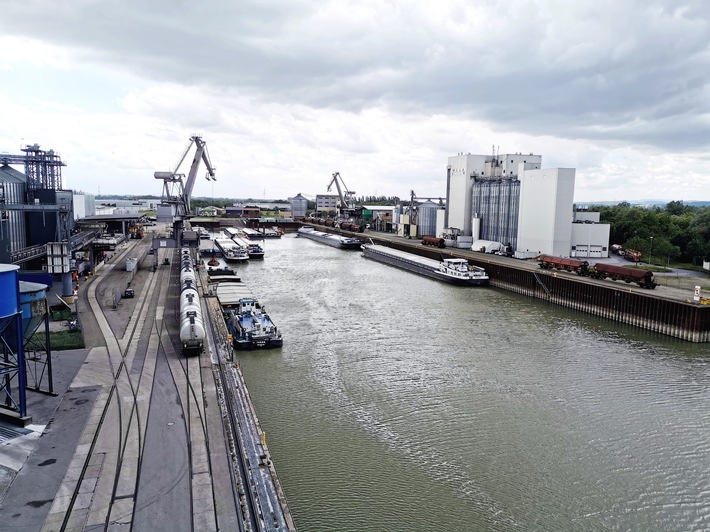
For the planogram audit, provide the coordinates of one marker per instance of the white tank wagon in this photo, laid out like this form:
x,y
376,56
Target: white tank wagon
x,y
192,325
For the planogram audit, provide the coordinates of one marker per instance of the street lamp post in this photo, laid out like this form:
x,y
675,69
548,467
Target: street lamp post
x,y
650,254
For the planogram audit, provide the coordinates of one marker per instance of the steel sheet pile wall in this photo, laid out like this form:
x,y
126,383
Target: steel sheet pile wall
x,y
672,318
608,300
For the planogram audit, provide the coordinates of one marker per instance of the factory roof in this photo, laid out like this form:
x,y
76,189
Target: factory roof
x,y
9,175
110,217
378,207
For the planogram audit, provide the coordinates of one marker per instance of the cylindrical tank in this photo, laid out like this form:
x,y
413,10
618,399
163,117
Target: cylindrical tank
x,y
476,227
191,322
299,206
426,220
9,288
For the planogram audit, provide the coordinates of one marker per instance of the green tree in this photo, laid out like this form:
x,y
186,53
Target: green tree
x,y
663,251
700,230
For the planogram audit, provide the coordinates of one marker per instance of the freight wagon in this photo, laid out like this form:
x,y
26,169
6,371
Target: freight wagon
x,y
643,278
434,241
599,271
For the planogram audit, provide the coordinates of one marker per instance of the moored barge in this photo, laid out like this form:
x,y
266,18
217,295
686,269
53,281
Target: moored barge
x,y
231,252
450,270
338,241
246,319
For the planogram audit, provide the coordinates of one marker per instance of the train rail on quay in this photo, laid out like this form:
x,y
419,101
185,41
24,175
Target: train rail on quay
x,y
144,436
665,311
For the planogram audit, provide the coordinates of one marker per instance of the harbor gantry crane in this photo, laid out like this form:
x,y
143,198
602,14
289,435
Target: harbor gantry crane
x,y
346,203
177,194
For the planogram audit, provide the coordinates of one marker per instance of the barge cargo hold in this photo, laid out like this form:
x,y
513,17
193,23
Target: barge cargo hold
x,y
338,241
450,270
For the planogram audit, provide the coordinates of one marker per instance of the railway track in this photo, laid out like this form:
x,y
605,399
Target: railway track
x,y
104,480
146,449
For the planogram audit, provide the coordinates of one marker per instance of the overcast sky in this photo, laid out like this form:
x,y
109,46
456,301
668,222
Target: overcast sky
x,y
286,92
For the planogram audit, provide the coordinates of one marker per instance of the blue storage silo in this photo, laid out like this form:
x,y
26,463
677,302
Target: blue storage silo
x,y
9,288
426,219
13,367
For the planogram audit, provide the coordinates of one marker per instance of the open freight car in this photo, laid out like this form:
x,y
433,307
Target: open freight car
x,y
643,278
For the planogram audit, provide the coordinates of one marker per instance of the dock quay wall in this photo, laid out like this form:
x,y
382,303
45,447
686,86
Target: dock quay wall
x,y
607,299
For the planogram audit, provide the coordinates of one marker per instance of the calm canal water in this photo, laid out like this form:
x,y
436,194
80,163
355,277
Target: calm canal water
x,y
401,403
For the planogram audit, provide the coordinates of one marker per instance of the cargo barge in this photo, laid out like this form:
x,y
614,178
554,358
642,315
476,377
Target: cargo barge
x,y
247,321
338,241
450,270
231,252
240,238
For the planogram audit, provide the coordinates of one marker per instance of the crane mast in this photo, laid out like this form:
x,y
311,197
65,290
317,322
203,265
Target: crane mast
x,y
175,192
345,197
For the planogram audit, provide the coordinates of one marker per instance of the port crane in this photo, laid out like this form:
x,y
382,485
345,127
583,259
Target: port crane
x,y
176,193
346,203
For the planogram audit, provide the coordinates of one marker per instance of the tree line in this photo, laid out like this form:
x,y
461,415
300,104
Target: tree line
x,y
675,232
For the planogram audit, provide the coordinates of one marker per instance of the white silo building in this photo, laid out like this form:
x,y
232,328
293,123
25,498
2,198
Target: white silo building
x,y
468,176
510,199
545,221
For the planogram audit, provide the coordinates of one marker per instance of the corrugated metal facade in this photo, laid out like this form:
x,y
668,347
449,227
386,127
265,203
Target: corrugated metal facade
x,y
496,203
13,233
426,222
299,206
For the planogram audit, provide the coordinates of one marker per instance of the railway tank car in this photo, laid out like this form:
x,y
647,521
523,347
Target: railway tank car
x,y
192,325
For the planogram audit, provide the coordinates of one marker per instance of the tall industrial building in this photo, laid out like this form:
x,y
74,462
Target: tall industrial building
x,y
510,199
482,194
13,233
546,205
33,207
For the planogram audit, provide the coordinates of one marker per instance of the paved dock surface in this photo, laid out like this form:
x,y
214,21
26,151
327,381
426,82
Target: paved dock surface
x,y
134,438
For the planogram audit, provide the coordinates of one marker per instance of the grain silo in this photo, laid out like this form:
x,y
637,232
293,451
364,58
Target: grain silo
x,y
426,219
299,206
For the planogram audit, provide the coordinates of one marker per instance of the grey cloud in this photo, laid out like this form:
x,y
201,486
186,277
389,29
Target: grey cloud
x,y
626,71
